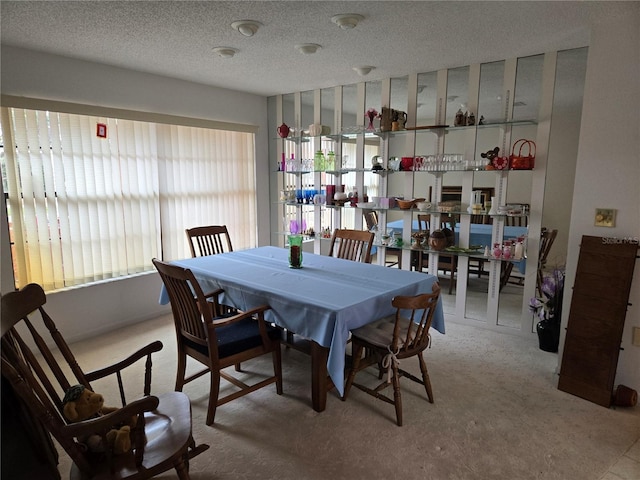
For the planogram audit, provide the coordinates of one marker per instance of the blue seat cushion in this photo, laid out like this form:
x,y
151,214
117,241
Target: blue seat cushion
x,y
238,337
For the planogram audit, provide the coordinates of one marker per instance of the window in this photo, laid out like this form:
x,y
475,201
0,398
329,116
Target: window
x,y
83,207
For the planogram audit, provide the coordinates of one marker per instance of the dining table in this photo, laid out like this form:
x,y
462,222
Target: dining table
x,y
322,301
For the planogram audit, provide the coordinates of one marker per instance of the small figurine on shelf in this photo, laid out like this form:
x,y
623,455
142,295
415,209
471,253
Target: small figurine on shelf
x,y
458,121
481,121
471,119
376,164
353,197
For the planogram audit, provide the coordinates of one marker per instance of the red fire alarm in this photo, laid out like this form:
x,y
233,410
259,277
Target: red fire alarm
x,y
101,130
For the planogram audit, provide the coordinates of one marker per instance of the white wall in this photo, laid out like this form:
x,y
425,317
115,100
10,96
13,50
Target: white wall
x,y
87,311
608,165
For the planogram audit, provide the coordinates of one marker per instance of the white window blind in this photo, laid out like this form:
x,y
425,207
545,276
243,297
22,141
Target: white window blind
x,y
207,177
84,208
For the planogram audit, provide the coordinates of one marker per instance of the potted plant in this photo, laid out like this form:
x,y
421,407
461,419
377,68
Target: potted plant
x,y
549,310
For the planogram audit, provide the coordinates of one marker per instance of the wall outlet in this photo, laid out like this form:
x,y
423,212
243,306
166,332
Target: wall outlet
x,y
635,337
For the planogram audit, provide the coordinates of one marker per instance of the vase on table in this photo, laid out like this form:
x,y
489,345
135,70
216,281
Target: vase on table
x,y
295,251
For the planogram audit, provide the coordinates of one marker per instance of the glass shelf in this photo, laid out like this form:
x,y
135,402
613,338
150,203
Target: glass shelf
x,y
296,204
463,212
351,132
341,171
475,255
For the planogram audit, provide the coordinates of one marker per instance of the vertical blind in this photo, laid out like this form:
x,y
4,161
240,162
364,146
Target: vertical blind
x,y
212,183
84,208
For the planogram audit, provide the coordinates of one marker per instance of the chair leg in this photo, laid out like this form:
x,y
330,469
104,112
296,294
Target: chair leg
x,y
277,367
214,391
425,377
357,354
397,397
181,370
182,470
452,270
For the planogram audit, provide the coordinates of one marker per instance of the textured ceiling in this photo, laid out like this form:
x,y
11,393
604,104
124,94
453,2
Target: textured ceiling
x,y
176,38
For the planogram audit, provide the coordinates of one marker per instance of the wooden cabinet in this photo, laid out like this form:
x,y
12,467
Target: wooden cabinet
x,y
596,320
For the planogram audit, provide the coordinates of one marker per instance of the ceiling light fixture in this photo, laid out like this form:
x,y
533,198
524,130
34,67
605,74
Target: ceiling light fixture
x,y
363,70
308,48
225,52
247,27
347,21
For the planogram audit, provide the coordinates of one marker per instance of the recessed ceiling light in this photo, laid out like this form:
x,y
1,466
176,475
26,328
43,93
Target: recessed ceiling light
x,y
347,21
225,52
308,48
247,27
363,70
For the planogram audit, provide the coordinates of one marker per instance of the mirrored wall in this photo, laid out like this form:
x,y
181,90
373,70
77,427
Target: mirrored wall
x,y
504,111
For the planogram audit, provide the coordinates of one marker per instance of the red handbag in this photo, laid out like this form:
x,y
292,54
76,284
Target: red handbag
x,y
519,160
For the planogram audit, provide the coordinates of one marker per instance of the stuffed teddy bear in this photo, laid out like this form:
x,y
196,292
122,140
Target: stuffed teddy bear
x,y
80,403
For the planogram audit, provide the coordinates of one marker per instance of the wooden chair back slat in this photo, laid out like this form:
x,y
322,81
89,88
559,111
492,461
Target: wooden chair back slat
x,y
209,240
352,245
424,222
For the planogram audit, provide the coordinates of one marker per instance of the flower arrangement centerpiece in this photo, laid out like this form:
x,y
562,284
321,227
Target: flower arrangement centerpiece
x,y
549,309
371,114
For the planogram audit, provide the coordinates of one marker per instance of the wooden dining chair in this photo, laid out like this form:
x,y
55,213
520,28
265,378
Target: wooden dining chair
x,y
352,245
209,240
217,341
40,367
391,339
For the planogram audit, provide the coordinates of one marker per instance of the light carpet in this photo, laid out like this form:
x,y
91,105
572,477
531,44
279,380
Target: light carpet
x,y
497,415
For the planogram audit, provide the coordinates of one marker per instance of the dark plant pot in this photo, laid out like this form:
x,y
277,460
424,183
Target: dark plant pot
x,y
548,335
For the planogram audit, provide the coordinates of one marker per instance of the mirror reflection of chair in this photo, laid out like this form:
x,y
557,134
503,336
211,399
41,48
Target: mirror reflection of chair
x,y
371,220
217,341
388,340
547,237
209,240
446,263
161,439
352,245
516,221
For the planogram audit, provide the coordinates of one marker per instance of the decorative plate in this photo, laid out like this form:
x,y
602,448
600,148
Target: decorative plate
x,y
500,163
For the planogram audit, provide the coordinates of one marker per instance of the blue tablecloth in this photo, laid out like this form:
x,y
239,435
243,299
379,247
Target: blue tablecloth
x,y
479,234
322,301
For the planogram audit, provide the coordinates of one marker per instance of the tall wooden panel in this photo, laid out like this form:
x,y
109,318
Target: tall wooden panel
x,y
596,320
